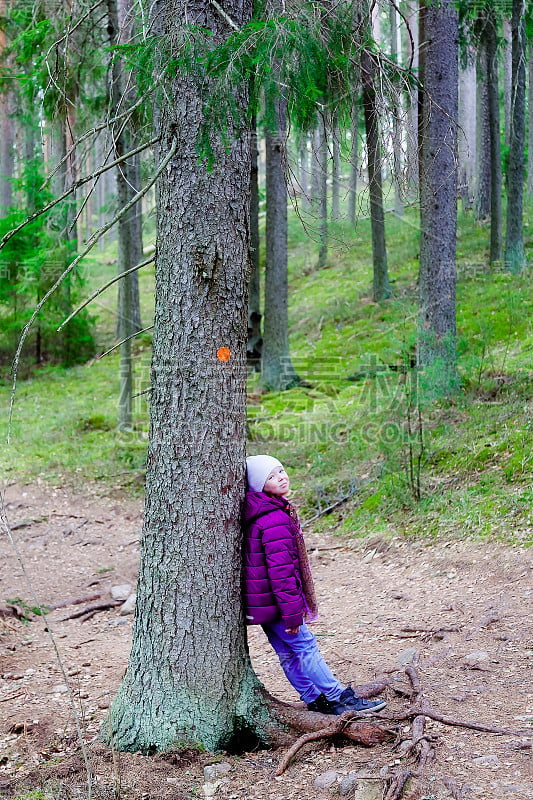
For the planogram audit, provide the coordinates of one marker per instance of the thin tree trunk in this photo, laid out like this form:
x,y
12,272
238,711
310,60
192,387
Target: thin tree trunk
x,y
495,146
483,171
316,170
354,164
381,286
438,195
189,677
397,116
530,128
335,168
467,130
7,134
277,372
411,50
514,245
507,55
121,141
322,157
255,342
304,171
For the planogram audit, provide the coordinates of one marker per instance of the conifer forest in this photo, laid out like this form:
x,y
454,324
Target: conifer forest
x,y
300,228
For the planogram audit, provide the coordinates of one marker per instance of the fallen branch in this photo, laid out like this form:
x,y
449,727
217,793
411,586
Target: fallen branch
x,y
74,601
93,608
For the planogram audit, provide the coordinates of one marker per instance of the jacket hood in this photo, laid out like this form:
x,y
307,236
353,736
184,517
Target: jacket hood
x,y
258,503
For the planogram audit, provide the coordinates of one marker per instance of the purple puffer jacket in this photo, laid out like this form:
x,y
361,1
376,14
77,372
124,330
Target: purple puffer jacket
x,y
272,585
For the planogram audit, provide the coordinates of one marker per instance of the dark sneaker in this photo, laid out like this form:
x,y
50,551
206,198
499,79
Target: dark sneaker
x,y
352,702
324,706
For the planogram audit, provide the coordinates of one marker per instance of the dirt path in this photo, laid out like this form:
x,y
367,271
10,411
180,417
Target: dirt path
x,y
461,598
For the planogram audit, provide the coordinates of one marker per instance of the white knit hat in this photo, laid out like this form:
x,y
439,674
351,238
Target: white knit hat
x,y
258,468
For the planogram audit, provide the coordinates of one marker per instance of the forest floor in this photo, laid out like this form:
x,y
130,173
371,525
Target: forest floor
x,y
468,605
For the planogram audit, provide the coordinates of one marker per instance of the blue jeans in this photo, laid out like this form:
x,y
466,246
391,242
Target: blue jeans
x,y
302,662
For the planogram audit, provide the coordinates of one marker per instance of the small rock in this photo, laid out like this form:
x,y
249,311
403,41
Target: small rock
x,y
214,770
61,688
368,790
129,606
459,698
121,592
477,660
326,779
407,656
348,784
210,789
486,760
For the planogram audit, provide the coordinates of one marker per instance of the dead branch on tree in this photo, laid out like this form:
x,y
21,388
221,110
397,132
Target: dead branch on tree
x,y
72,188
131,336
90,244
104,287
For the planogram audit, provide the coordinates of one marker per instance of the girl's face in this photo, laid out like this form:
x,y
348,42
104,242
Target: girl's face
x,y
277,483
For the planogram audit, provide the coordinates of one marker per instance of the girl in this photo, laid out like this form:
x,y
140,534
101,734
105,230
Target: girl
x,y
279,593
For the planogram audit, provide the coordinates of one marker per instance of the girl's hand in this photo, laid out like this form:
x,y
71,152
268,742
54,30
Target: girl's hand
x,y
292,631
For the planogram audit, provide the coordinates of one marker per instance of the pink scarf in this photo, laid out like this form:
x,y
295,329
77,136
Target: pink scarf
x,y
308,586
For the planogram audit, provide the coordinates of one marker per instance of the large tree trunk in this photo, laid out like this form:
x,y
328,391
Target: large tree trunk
x,y
277,372
381,286
495,146
438,193
189,677
514,245
483,174
467,130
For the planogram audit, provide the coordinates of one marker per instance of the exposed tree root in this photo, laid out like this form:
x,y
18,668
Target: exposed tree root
x,y
369,730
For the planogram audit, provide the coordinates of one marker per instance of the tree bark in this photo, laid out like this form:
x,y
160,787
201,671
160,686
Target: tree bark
x,y
189,677
381,286
277,372
483,172
438,194
514,246
467,130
